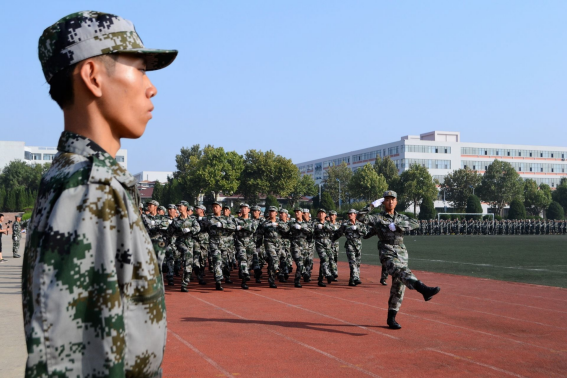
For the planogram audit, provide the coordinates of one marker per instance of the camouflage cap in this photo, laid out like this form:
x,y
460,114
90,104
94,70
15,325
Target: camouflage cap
x,y
244,205
183,203
190,208
284,211
216,203
162,208
87,34
153,202
305,210
272,208
297,208
352,211
256,208
322,211
202,207
390,193
171,206
225,207
332,212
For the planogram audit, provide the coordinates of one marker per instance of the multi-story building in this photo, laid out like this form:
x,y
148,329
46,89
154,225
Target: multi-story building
x,y
10,151
442,152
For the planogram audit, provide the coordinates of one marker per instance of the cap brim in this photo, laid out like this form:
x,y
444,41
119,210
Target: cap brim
x,y
155,59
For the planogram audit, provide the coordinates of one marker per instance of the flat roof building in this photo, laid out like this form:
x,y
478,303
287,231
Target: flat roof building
x,y
10,151
442,152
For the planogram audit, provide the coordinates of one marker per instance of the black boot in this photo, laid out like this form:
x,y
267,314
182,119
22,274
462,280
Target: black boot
x,y
16,256
184,289
297,284
383,282
170,282
330,279
426,291
322,284
273,285
219,286
227,280
358,281
243,285
392,323
351,283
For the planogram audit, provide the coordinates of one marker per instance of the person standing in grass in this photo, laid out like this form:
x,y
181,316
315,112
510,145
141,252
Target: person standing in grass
x,y
390,227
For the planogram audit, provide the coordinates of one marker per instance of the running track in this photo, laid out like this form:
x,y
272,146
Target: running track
x,y
473,327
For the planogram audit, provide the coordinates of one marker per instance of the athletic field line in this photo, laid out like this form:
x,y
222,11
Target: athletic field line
x,y
325,315
440,322
500,291
491,266
293,340
487,313
476,362
202,355
510,303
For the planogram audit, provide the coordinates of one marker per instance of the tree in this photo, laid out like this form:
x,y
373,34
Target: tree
x,y
157,194
414,185
335,176
473,206
272,201
536,199
305,186
459,185
500,184
217,171
10,202
18,174
387,168
367,184
555,211
560,194
517,209
427,209
327,202
187,163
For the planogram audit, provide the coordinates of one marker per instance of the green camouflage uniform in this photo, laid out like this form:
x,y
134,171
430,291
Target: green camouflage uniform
x,y
270,233
218,244
157,226
201,245
393,253
309,250
184,230
353,245
323,233
245,244
16,237
335,246
298,232
93,299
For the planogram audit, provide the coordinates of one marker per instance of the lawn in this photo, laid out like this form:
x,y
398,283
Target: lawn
x,y
533,259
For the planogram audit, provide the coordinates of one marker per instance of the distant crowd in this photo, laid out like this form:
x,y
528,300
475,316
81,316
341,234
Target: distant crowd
x,y
489,227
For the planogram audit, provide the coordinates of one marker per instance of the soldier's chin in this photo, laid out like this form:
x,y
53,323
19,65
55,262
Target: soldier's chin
x,y
133,132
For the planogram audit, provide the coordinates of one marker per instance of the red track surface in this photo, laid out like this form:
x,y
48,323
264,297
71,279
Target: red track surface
x,y
473,327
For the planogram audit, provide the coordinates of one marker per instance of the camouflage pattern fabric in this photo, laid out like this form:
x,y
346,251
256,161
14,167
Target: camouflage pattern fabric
x,y
157,226
218,246
393,253
87,34
270,232
309,250
298,232
201,244
92,292
245,244
353,245
335,246
16,237
184,229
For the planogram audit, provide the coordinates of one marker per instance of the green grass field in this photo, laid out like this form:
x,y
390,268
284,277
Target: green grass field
x,y
534,259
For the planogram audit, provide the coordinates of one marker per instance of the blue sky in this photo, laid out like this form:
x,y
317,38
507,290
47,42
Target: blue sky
x,y
313,78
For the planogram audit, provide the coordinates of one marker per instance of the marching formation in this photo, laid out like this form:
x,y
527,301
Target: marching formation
x,y
189,241
488,227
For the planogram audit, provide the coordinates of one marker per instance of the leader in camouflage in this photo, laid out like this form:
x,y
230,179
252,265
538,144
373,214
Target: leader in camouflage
x,y
93,300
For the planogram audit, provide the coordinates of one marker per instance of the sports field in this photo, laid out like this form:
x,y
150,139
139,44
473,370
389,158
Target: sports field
x,y
531,259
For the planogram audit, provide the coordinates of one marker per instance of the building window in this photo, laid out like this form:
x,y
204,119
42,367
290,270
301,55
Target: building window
x,y
48,157
486,167
473,167
120,159
519,153
551,155
530,154
36,156
27,155
530,169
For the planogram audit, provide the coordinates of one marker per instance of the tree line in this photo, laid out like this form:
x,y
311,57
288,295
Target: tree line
x,y
19,183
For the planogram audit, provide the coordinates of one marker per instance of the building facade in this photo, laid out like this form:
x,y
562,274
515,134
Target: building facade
x,y
442,152
10,151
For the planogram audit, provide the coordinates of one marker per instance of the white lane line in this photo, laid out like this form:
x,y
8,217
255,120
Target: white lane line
x,y
501,292
492,266
447,324
325,315
202,355
293,340
476,363
487,313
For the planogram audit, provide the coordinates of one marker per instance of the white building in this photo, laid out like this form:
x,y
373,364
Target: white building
x,y
152,176
10,151
442,152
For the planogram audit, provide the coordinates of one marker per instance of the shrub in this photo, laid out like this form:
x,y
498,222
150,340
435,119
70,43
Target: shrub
x,y
426,209
517,210
555,211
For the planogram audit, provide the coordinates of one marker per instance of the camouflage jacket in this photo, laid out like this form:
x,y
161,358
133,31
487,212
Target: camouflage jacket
x,y
93,299
302,232
184,228
247,229
16,231
156,225
324,233
203,236
268,231
351,231
381,224
226,228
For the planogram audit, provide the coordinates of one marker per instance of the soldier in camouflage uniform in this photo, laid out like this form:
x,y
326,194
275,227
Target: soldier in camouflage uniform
x,y
298,232
170,249
156,225
228,250
309,250
390,227
245,243
334,245
384,271
260,253
185,228
270,232
286,261
354,231
16,236
323,232
218,244
201,242
92,291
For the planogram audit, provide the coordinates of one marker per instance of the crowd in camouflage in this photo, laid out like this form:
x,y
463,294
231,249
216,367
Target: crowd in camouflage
x,y
489,227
